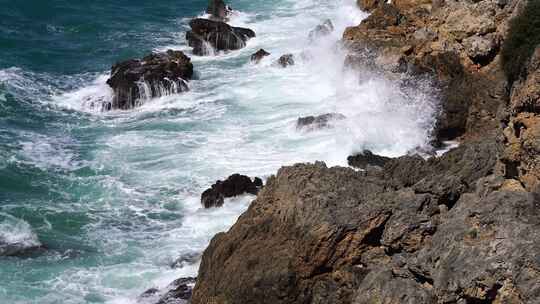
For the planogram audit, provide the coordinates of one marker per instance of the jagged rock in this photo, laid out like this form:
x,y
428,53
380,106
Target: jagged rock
x,y
259,55
333,235
234,185
155,75
321,30
218,10
369,5
286,60
216,34
457,42
178,292
318,122
367,158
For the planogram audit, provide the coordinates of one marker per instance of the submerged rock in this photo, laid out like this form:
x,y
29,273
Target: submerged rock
x,y
367,158
259,55
186,259
155,75
216,35
218,10
286,60
234,185
318,122
178,292
17,238
321,30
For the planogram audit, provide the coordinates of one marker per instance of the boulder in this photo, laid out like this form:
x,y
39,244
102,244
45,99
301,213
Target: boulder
x,y
318,122
286,60
155,75
218,10
259,55
321,30
367,158
217,35
234,185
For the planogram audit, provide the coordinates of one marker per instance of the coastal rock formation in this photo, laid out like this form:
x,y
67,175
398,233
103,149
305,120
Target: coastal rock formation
x,y
458,42
234,185
218,10
155,75
321,30
420,232
259,55
366,159
318,122
461,228
286,60
208,35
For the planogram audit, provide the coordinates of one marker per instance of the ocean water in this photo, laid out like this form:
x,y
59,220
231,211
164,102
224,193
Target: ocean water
x,y
114,197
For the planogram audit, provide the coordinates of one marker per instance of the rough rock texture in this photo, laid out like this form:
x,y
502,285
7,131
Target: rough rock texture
x,y
318,122
457,41
259,55
152,76
286,60
178,292
367,158
321,30
438,231
218,10
463,228
234,185
216,34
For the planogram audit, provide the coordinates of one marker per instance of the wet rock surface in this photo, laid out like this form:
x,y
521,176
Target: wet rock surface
x,y
366,159
216,35
178,292
318,122
234,185
155,75
259,55
286,60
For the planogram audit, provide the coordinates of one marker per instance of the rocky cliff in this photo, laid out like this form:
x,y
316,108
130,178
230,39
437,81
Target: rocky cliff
x,y
460,228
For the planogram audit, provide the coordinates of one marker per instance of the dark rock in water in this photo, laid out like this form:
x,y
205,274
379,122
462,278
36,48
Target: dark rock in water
x,y
234,185
318,122
321,30
21,250
259,55
186,259
178,292
286,60
179,289
215,34
366,158
218,10
152,76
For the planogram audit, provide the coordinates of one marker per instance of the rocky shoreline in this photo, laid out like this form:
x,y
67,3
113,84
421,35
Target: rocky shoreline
x,y
460,228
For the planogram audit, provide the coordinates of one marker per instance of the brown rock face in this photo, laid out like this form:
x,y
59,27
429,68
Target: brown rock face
x,y
458,42
419,232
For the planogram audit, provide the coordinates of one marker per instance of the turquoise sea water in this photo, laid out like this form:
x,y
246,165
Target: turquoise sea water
x,y
114,197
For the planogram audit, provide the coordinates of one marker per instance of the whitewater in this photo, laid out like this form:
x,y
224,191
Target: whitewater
x,y
119,192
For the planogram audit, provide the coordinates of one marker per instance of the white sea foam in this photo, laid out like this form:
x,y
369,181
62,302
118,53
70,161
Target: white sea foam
x,y
155,160
15,235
